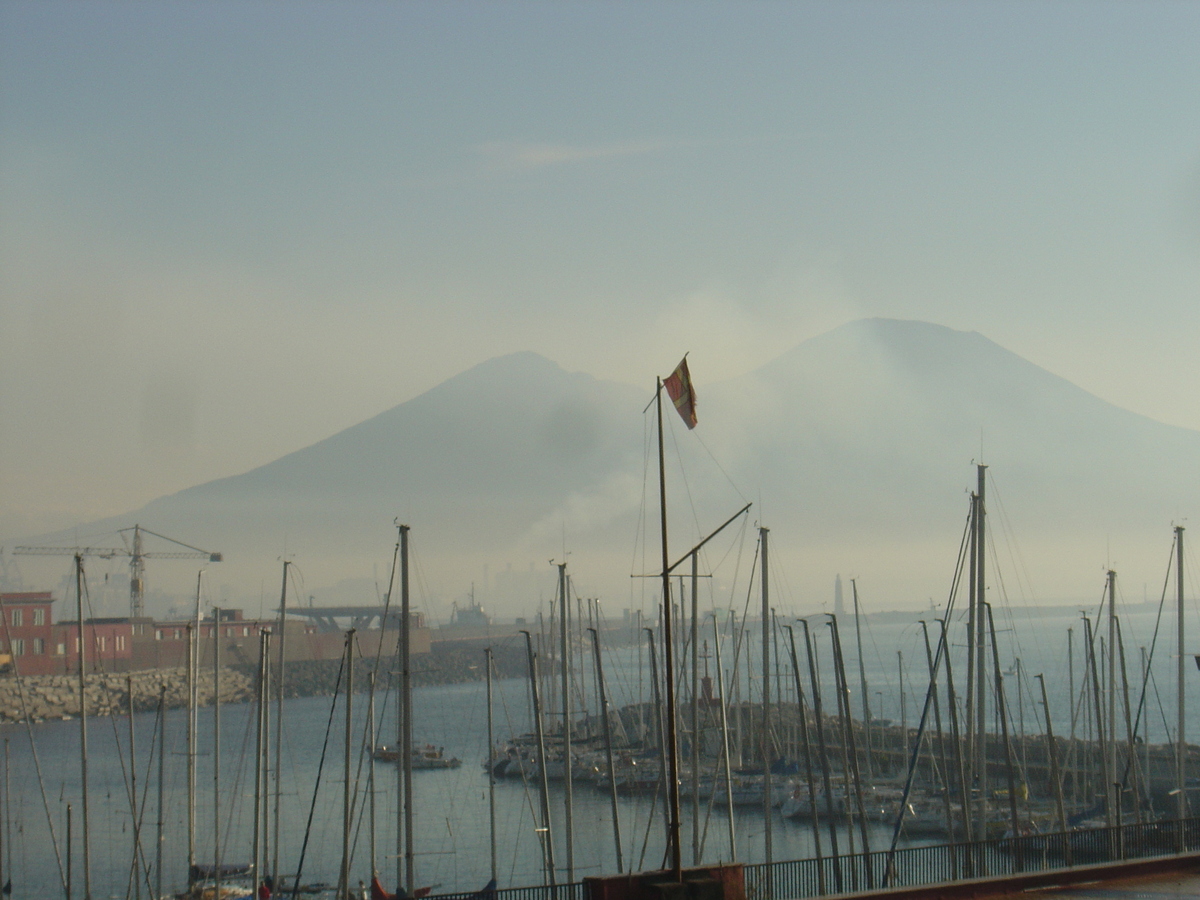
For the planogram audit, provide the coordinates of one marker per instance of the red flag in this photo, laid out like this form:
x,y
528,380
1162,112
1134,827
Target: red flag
x,y
679,386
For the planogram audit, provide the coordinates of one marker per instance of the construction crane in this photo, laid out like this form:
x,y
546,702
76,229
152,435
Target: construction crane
x,y
137,559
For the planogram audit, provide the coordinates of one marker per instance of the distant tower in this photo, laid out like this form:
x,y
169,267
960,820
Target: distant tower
x,y
839,608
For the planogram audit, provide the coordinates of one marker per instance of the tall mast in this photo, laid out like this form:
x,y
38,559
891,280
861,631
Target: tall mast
x,y
848,742
162,752
264,643
348,756
1071,711
1002,714
766,695
371,760
1094,674
564,629
659,726
83,741
404,744
543,786
725,743
981,630
973,667
193,674
1055,779
217,751
279,727
824,755
802,714
941,738
669,660
862,678
1181,724
487,652
1110,762
191,747
695,638
133,804
608,750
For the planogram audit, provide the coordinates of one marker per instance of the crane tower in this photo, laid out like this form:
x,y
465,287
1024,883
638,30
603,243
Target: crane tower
x,y
132,538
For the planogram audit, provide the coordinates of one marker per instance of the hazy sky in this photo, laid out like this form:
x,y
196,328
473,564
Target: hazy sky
x,y
230,230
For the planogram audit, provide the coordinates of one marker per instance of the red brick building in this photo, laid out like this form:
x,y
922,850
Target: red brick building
x,y
40,646
27,632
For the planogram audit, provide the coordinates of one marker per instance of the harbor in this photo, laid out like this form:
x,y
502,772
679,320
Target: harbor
x,y
451,805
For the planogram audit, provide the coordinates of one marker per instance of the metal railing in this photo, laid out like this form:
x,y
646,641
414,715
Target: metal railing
x,y
574,891
927,865
920,866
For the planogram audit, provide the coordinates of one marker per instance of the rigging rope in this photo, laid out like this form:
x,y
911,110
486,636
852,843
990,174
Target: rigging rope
x,y
317,786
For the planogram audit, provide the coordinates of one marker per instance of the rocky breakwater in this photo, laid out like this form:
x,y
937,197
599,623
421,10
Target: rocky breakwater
x,y
54,696
57,696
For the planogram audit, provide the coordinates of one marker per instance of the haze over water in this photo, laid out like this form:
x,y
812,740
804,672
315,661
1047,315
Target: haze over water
x,y
451,805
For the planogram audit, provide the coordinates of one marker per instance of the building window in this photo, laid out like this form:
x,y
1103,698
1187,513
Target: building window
x,y
39,646
60,649
18,618
76,645
176,634
103,641
245,631
120,642
39,617
158,634
18,647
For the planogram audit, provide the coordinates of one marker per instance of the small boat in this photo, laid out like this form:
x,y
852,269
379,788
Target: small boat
x,y
426,757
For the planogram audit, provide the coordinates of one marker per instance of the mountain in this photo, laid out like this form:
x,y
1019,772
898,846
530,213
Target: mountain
x,y
856,447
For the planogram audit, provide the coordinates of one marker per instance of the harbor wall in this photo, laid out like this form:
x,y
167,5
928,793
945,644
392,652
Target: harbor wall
x,y
41,697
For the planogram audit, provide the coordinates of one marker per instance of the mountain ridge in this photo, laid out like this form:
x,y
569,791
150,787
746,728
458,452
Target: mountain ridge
x,y
856,444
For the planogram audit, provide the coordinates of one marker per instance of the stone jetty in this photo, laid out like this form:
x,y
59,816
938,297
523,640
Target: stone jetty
x,y
41,697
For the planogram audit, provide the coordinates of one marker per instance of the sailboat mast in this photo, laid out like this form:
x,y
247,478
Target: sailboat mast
x,y
193,673
564,630
608,749
543,786
1059,806
972,664
348,757
279,728
725,741
83,741
162,752
862,678
766,696
941,738
404,743
802,714
659,728
695,638
669,660
264,642
1181,724
371,762
136,820
819,716
1110,762
848,742
1002,714
487,652
217,751
981,630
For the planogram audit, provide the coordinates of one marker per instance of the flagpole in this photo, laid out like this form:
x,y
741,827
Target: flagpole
x,y
668,642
